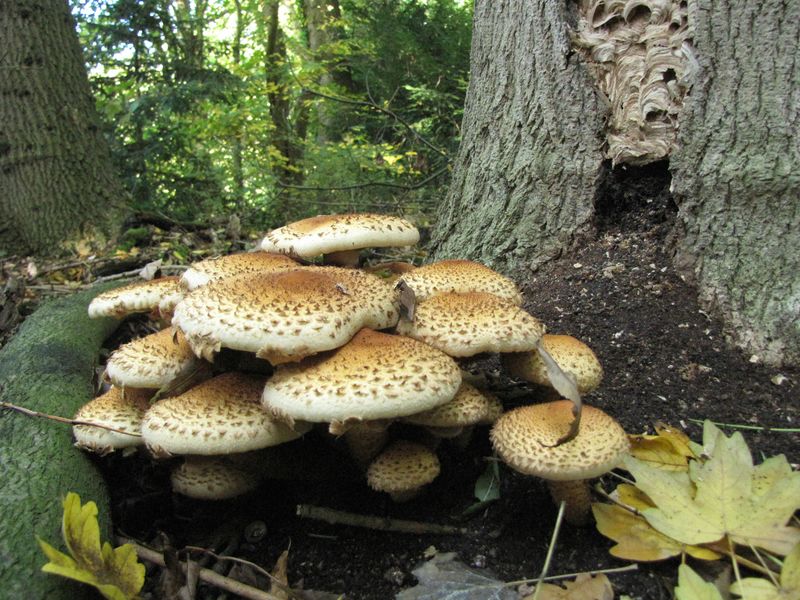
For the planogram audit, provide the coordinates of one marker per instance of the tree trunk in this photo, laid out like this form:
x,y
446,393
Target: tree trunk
x,y
527,172
56,177
736,174
530,157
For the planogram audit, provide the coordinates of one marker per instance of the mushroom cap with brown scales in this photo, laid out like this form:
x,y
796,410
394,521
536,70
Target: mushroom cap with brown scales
x,y
525,439
285,316
470,406
374,376
152,361
200,273
328,234
212,478
403,469
220,416
571,354
471,323
142,296
460,276
117,408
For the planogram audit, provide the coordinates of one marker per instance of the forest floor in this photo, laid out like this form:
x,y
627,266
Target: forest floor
x,y
665,361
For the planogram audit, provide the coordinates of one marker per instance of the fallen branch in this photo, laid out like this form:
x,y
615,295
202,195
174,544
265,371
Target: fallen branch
x,y
34,413
338,517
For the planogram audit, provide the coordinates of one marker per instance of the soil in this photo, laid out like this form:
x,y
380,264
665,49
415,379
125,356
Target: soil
x,y
665,360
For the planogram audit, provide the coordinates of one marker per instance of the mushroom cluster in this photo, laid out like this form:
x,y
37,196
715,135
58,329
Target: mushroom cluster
x,y
371,356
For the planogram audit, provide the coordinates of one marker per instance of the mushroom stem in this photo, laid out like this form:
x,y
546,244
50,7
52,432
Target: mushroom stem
x,y
344,258
364,440
578,498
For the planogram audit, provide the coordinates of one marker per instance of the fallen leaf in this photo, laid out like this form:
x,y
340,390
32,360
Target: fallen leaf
x,y
723,495
115,572
280,574
669,449
692,587
757,588
584,587
445,578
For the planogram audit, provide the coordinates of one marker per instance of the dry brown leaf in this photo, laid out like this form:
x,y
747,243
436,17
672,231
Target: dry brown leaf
x,y
584,587
280,573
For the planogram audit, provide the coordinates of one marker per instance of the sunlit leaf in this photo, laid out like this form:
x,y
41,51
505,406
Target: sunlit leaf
x,y
692,587
757,588
583,587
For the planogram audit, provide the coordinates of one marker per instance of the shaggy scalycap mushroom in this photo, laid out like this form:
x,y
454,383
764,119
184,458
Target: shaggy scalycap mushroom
x,y
152,361
403,469
200,273
220,416
374,376
471,323
212,478
525,438
142,296
284,316
122,410
571,354
460,276
470,406
336,234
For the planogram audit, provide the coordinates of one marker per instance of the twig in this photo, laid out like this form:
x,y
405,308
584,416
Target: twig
x,y
765,428
338,517
625,569
33,413
550,549
135,272
207,575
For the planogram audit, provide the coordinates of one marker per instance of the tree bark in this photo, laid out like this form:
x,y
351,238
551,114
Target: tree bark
x,y
56,177
736,174
48,367
530,157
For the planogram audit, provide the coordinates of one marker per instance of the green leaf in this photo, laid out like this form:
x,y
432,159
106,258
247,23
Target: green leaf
x,y
692,587
487,486
115,572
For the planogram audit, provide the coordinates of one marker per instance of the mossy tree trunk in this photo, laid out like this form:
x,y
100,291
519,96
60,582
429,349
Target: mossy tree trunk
x,y
527,174
48,367
56,177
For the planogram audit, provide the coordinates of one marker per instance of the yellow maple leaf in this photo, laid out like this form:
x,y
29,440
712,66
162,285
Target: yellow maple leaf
x,y
692,587
756,588
723,495
115,572
669,449
583,587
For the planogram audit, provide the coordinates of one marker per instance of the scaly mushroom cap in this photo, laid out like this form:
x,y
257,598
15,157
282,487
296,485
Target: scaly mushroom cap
x,y
469,406
471,323
202,272
460,276
402,469
117,409
374,376
570,354
220,416
152,361
212,478
525,437
142,296
284,316
326,234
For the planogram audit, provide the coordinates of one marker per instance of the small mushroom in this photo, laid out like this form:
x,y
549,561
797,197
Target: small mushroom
x,y
403,470
139,297
460,276
212,478
526,440
121,410
212,269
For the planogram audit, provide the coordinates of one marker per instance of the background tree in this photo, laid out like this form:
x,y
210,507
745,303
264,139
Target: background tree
x,y
56,176
531,162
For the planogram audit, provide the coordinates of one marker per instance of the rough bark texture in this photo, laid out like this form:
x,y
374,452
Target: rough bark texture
x,y
737,172
48,367
526,174
55,170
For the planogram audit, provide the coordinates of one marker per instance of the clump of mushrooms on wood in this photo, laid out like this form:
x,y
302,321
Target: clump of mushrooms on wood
x,y
331,350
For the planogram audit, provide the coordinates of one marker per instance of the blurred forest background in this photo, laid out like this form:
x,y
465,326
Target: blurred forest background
x,y
273,110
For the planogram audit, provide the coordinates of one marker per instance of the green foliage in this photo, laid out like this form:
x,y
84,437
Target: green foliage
x,y
203,122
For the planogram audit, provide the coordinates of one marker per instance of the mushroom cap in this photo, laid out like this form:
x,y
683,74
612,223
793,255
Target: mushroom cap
x,y
152,361
570,354
200,273
403,467
374,376
142,296
525,437
471,323
470,406
220,416
212,478
123,410
460,276
284,316
326,234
